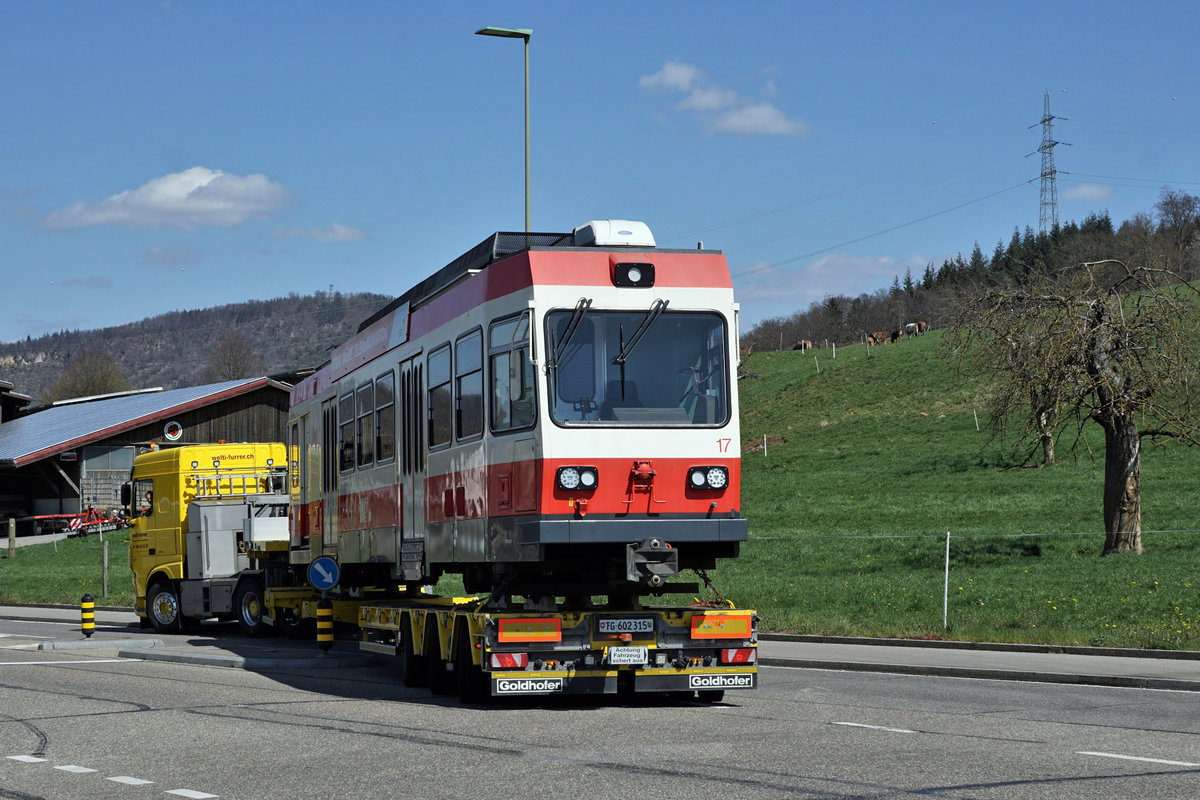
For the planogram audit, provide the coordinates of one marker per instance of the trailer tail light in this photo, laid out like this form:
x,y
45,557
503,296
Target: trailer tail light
x,y
739,655
510,660
722,626
529,629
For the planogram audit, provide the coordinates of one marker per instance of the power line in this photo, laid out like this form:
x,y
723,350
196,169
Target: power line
x,y
766,267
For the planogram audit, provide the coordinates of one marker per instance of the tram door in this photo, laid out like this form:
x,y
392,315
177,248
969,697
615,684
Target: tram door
x,y
412,468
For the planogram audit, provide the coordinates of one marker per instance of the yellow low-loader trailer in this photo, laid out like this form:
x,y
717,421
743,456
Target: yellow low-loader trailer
x,y
210,539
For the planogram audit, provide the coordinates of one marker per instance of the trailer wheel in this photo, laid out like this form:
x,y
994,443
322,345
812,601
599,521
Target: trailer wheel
x,y
293,625
416,668
711,695
248,603
441,680
473,684
163,607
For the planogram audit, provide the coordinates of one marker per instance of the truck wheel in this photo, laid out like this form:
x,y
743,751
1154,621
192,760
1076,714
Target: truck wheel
x,y
711,695
473,684
416,668
248,604
440,679
163,608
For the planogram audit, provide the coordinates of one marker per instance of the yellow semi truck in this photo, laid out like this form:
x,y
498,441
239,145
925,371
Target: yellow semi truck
x,y
210,539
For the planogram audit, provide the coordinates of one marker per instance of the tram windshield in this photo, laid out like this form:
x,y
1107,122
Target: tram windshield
x,y
655,368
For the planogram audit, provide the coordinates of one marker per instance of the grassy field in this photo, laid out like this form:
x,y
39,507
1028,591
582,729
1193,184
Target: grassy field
x,y
64,571
869,463
872,460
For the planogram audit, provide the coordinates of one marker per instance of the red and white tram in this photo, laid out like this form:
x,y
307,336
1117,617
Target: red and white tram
x,y
554,414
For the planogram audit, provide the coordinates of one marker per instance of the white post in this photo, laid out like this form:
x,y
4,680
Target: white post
x,y
946,593
818,363
104,571
764,445
976,418
835,349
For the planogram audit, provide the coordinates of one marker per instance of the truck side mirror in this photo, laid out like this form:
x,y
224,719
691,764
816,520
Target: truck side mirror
x,y
126,494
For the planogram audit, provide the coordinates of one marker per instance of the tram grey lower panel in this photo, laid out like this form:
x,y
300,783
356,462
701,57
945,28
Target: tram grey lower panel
x,y
621,531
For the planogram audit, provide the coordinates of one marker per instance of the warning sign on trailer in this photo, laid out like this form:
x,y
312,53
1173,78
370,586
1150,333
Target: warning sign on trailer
x,y
173,430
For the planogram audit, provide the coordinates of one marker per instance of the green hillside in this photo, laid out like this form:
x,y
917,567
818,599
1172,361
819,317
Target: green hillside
x,y
871,460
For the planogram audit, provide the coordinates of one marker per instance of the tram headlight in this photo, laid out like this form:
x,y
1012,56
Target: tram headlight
x,y
582,479
711,477
634,275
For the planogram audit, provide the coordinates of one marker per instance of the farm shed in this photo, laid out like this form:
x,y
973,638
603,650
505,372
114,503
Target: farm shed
x,y
68,456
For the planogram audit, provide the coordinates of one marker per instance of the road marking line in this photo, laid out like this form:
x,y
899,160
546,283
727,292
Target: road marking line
x,y
194,795
129,781
66,663
28,759
75,768
874,727
1137,758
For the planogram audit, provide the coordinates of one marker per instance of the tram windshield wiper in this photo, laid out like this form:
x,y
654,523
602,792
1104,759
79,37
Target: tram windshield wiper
x,y
581,309
627,347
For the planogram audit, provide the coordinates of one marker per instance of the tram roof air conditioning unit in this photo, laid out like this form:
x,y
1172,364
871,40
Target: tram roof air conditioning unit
x,y
613,233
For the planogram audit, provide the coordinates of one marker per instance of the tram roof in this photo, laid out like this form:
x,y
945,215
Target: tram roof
x,y
496,247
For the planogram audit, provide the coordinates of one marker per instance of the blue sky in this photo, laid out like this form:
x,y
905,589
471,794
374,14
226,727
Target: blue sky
x,y
172,155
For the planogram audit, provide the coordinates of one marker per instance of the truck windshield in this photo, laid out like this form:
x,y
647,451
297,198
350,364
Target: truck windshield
x,y
675,373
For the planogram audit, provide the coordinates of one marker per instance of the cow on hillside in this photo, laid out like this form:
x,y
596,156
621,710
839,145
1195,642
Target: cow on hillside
x,y
897,334
922,327
880,337
803,344
910,329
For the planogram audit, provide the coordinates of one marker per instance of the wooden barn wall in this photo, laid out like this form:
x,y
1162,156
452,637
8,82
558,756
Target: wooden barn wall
x,y
259,416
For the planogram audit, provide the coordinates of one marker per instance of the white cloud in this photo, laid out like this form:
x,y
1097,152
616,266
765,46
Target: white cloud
x,y
720,108
765,291
334,232
760,118
1091,192
708,99
196,196
674,75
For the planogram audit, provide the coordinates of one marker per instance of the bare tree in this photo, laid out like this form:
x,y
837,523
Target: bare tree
x,y
232,359
90,374
1098,342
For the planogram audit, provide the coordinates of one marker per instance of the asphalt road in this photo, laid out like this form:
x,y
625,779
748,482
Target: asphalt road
x,y
92,724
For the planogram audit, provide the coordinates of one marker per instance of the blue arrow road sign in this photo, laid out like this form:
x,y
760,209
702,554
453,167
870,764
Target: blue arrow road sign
x,y
323,573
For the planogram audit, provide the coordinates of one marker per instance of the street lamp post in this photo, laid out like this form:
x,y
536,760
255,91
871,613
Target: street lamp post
x,y
519,33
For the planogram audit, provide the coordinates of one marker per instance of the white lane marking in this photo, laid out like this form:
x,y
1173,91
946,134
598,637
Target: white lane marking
x,y
28,759
128,781
1137,758
75,768
191,793
66,663
874,727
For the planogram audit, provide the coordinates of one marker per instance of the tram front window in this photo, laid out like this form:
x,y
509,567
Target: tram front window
x,y
637,368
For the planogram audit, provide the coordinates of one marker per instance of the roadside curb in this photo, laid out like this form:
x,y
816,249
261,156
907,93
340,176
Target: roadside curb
x,y
1002,647
252,663
1077,679
99,644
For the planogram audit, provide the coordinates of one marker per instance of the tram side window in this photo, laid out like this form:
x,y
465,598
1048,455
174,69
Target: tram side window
x,y
346,432
385,417
513,404
440,404
364,430
468,361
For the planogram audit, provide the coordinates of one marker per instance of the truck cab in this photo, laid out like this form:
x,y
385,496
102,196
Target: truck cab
x,y
194,512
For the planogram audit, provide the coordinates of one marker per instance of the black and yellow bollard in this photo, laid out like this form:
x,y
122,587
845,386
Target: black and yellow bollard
x,y
87,615
325,624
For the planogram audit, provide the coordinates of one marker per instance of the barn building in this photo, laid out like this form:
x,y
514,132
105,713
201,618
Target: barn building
x,y
76,453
